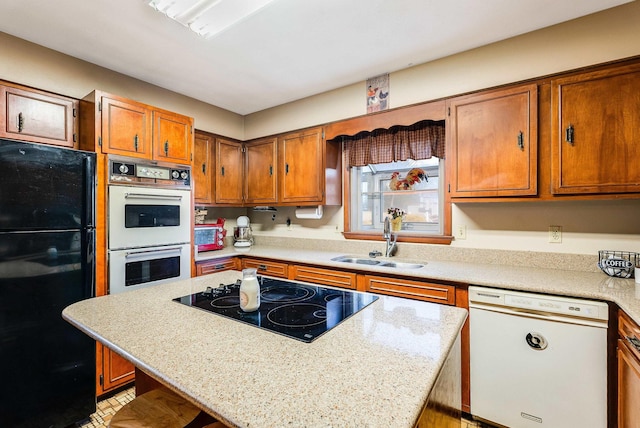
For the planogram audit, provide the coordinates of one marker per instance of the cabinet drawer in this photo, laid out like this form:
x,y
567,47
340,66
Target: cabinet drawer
x,y
320,276
213,266
418,290
627,328
267,267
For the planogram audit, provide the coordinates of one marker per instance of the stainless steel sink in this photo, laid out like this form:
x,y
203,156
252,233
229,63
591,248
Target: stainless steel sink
x,y
374,262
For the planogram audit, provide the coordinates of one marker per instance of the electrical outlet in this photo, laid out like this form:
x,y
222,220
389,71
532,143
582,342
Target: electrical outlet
x,y
555,234
461,232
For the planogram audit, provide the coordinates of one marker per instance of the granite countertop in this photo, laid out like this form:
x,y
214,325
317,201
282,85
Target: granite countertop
x,y
592,285
376,368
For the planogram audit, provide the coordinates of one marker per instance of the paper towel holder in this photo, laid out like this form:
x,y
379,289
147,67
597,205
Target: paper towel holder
x,y
314,213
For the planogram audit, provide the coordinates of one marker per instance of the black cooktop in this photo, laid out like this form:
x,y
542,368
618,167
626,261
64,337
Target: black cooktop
x,y
299,311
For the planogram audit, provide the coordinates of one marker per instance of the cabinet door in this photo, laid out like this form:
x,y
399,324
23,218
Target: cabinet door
x,y
596,131
301,167
628,387
493,143
331,277
418,290
202,168
116,371
219,265
228,176
260,173
126,128
38,117
172,137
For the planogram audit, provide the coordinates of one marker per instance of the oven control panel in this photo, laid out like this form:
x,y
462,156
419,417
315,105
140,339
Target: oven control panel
x,y
145,173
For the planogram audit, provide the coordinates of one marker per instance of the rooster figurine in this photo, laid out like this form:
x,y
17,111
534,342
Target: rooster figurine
x,y
415,175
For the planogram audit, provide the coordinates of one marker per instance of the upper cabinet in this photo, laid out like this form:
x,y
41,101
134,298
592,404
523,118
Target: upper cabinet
x,y
298,168
229,172
261,172
595,131
32,115
493,143
203,162
116,125
301,164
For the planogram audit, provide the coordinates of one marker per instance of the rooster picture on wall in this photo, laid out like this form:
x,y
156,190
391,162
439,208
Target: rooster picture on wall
x,y
415,175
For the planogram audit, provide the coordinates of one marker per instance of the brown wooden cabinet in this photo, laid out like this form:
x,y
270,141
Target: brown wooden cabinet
x,y
31,115
628,372
595,131
113,371
267,267
412,289
206,267
229,172
301,166
260,172
203,164
316,275
117,125
493,143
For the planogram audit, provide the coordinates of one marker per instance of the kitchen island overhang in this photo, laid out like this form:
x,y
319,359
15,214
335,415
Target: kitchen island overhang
x,y
377,368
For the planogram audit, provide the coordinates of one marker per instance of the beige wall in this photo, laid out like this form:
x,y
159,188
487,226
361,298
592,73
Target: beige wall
x,y
587,226
601,37
33,65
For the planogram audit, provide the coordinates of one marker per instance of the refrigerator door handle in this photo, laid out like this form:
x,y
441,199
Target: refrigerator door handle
x,y
89,191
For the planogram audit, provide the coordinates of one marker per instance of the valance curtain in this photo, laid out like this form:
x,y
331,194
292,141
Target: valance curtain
x,y
421,140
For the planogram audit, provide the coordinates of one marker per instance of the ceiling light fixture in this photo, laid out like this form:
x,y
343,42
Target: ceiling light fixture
x,y
208,17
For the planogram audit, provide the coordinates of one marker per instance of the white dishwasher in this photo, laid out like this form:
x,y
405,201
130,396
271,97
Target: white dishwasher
x,y
537,360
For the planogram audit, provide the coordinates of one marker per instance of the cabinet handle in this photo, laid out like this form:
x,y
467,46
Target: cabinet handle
x,y
568,134
262,267
634,342
270,170
218,267
222,171
135,142
20,122
166,148
521,140
286,168
204,168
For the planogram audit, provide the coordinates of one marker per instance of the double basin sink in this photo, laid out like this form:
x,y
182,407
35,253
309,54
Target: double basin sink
x,y
374,262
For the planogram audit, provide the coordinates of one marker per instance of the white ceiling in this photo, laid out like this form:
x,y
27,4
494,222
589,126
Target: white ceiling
x,y
288,50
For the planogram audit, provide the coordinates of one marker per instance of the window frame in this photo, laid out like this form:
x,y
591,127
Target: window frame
x,y
444,239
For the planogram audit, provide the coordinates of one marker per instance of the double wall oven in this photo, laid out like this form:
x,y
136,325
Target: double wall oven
x,y
149,223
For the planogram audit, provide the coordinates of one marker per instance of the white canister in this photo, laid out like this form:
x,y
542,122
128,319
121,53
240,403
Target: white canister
x,y
249,290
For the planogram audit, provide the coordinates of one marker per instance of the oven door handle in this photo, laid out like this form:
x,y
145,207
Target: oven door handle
x,y
145,253
150,196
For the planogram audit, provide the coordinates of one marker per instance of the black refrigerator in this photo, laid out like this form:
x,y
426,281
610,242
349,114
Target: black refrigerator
x,y
47,247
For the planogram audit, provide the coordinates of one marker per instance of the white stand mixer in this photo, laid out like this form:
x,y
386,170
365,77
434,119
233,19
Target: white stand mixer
x,y
242,236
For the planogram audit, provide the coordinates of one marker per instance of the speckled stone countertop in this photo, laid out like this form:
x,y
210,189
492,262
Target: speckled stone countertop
x,y
375,369
593,285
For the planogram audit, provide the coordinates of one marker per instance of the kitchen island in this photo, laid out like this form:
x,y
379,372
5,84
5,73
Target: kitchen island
x,y
386,365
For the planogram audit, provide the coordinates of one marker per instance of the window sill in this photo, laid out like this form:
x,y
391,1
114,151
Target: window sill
x,y
419,239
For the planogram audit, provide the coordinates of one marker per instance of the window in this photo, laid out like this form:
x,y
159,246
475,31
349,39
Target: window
x,y
378,165
371,195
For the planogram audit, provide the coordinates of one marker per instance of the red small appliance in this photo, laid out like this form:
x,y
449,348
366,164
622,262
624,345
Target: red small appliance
x,y
210,236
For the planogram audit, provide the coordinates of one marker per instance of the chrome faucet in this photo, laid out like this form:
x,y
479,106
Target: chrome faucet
x,y
390,237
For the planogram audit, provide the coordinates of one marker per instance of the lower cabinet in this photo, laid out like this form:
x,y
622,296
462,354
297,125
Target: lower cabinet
x,y
419,290
113,371
267,267
332,277
217,265
628,372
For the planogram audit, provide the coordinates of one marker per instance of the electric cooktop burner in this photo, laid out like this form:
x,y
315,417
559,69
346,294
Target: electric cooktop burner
x,y
299,311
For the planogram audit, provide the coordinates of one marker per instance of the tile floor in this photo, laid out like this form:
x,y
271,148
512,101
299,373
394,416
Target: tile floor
x,y
109,406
